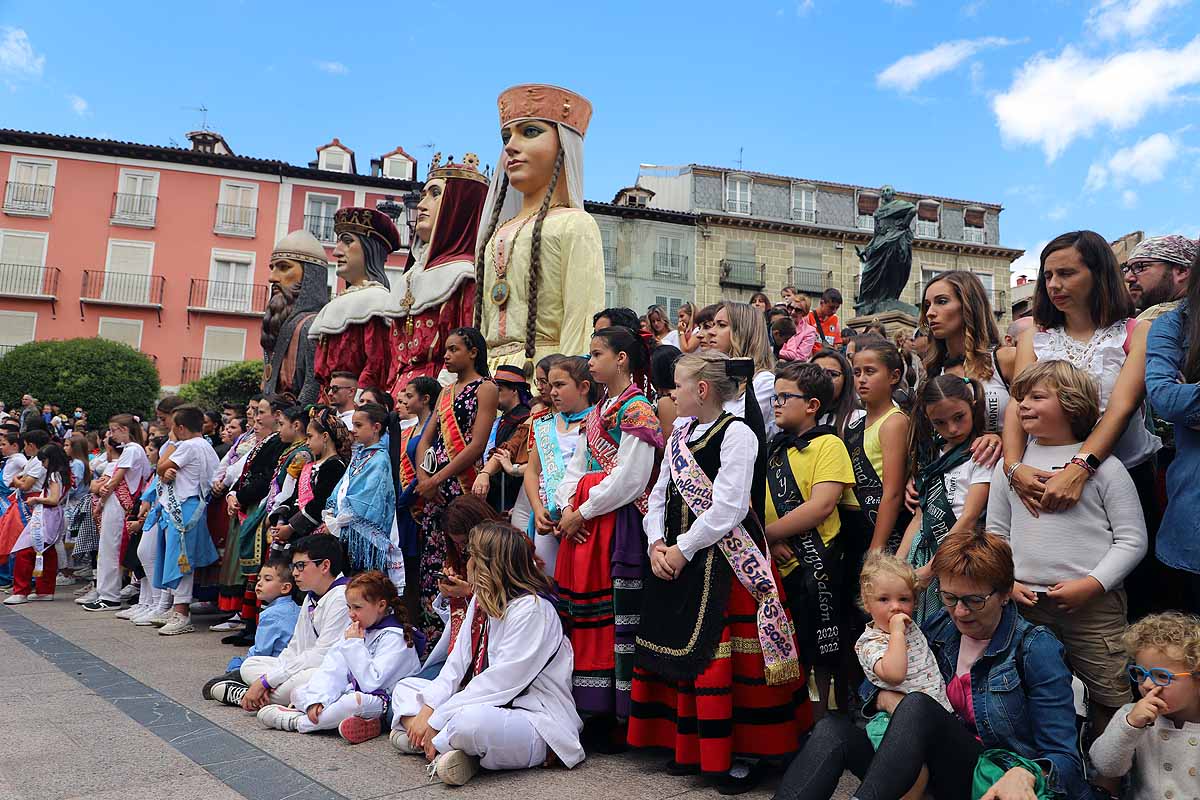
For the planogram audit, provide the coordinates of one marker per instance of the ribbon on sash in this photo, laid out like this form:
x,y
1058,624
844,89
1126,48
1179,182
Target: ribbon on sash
x,y
175,514
453,438
752,567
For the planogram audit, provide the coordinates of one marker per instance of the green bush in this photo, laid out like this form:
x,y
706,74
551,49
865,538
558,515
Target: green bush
x,y
102,376
232,384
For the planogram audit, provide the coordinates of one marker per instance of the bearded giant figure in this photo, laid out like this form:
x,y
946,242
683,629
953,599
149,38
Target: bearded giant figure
x,y
299,289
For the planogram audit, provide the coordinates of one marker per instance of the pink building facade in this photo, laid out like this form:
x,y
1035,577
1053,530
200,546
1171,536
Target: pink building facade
x,y
163,248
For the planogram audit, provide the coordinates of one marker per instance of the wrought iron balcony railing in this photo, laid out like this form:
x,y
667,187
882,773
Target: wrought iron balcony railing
x,y
22,280
809,280
610,260
225,297
28,199
195,367
122,288
138,210
744,274
321,227
671,266
235,220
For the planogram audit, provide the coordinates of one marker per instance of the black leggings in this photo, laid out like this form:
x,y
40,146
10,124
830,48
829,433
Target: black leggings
x,y
921,732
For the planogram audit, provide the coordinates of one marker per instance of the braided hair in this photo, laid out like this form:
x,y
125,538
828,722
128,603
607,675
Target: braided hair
x,y
535,257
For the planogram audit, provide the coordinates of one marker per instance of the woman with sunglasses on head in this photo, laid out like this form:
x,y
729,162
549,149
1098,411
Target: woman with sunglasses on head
x,y
1006,681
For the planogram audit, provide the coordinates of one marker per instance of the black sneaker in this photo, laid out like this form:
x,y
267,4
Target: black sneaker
x,y
229,692
743,776
102,605
238,639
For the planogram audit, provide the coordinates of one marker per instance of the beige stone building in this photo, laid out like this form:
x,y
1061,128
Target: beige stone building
x,y
761,232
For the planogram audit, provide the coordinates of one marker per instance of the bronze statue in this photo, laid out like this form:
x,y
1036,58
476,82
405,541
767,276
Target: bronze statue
x,y
887,259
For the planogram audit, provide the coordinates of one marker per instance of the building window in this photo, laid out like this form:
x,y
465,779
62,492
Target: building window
x,y
609,245
334,160
224,344
804,203
399,168
740,267
22,262
231,279
929,219
16,328
318,216
669,260
868,204
737,194
808,273
30,188
125,331
237,210
974,230
136,201
127,272
671,304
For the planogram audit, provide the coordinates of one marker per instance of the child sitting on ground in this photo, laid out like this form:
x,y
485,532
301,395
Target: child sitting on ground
x,y
892,651
1156,737
352,689
277,595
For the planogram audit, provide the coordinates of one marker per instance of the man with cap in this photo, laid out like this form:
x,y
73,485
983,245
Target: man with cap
x,y
352,332
298,291
1157,273
507,451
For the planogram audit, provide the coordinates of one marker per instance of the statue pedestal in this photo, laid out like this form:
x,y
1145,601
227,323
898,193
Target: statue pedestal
x,y
891,321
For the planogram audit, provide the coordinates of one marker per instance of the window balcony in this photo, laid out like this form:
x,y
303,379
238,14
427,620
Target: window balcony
x,y
610,260
927,229
28,199
974,235
134,210
321,227
122,289
195,367
734,206
743,274
5,349
235,221
671,266
865,222
809,280
29,282
224,297
808,215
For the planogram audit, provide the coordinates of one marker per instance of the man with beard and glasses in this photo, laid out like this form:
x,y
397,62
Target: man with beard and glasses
x,y
299,270
1157,273
352,332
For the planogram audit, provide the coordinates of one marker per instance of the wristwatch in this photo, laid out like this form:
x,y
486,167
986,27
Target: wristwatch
x,y
1090,460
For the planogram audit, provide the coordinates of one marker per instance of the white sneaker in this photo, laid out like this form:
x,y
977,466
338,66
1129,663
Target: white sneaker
x,y
16,600
230,625
162,617
281,718
143,619
131,612
454,768
399,740
44,598
64,580
87,587
179,624
84,574
90,596
130,590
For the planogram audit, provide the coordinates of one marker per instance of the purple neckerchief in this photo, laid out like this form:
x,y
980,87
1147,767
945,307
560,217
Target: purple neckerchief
x,y
389,621
341,580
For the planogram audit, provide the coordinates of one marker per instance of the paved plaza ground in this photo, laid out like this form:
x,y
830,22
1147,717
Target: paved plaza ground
x,y
94,707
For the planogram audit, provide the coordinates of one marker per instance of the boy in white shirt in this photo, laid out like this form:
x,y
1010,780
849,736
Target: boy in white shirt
x,y
323,620
185,544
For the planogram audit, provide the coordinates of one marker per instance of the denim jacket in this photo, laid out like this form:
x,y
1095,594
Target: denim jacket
x,y
1021,693
1178,543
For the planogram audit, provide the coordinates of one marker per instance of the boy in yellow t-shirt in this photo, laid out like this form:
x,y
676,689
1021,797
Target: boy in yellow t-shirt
x,y
809,475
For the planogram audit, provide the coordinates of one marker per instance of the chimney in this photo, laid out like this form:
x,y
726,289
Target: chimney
x,y
1022,280
209,142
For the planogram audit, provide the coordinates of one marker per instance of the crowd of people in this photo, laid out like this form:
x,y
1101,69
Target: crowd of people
x,y
757,539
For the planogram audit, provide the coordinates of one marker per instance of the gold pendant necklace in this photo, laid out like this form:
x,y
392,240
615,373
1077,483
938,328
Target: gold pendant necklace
x,y
502,289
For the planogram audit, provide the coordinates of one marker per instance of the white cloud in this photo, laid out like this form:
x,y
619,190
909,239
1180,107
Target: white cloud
x,y
911,71
1029,263
78,104
1116,19
1054,100
17,56
1144,162
333,67
1058,213
803,7
1129,198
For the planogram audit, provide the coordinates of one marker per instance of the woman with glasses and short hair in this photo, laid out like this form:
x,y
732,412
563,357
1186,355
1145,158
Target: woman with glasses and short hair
x,y
1006,681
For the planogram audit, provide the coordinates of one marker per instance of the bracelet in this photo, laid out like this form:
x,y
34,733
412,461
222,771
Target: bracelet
x,y
263,680
1012,471
1079,462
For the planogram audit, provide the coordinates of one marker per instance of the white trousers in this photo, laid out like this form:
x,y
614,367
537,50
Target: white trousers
x,y
521,511
147,553
183,592
351,704
502,738
255,667
546,547
108,557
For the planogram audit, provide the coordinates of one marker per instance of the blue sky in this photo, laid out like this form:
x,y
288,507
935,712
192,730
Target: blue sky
x,y
1070,113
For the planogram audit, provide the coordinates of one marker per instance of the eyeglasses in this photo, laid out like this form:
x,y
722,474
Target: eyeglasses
x,y
1157,675
336,388
973,602
782,398
542,383
834,374
1135,269
300,566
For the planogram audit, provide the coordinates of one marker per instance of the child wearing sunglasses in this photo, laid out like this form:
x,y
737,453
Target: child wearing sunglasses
x,y
1157,740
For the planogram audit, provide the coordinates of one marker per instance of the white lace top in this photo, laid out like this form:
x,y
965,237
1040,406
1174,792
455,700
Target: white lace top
x,y
1102,357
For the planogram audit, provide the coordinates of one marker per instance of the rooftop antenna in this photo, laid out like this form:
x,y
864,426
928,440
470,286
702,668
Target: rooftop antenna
x,y
739,158
203,109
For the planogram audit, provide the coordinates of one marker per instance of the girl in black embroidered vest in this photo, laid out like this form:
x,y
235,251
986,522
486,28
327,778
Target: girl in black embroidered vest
x,y
701,686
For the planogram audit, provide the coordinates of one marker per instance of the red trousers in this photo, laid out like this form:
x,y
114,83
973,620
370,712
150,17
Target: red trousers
x,y
23,561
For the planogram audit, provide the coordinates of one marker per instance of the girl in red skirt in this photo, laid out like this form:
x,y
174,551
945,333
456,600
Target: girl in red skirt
x,y
718,680
602,555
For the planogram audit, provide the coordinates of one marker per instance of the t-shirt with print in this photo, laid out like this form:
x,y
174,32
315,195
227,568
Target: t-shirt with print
x,y
829,331
196,461
34,469
824,460
921,673
959,481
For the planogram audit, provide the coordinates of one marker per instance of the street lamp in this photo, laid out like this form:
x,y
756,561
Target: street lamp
x,y
394,210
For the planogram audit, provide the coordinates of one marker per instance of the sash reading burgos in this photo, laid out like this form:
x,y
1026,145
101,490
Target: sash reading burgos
x,y
453,438
751,566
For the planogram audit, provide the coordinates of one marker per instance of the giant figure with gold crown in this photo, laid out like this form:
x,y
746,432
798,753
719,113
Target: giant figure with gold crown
x,y
299,269
540,262
436,293
353,331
